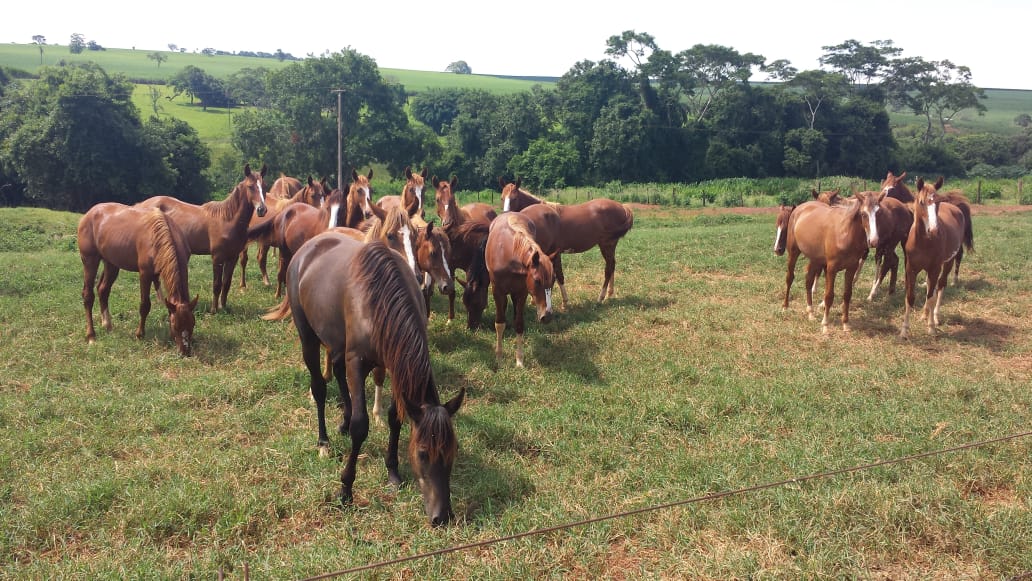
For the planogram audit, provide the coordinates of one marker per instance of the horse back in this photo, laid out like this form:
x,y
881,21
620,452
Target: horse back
x,y
116,233
319,287
191,219
595,222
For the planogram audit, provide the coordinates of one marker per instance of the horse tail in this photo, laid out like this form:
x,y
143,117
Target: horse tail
x,y
969,233
262,229
628,220
279,312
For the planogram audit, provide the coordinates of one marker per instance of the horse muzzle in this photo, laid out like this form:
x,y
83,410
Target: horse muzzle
x,y
261,210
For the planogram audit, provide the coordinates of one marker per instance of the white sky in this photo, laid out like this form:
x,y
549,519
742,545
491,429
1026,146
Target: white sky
x,y
546,38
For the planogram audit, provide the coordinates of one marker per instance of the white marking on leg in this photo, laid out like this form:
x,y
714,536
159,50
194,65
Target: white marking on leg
x,y
777,236
548,299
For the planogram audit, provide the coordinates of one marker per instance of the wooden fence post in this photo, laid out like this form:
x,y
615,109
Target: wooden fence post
x,y
978,200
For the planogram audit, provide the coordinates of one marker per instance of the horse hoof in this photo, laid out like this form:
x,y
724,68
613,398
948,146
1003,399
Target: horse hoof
x,y
324,450
846,328
395,480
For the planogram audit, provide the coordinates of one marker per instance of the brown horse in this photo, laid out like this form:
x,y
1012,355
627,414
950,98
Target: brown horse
x,y
411,198
359,301
937,236
143,241
517,267
833,238
448,208
600,222
281,195
218,228
467,229
895,187
358,201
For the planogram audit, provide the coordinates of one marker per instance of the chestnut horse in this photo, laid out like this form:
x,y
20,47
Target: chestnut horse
x,y
517,267
143,241
411,198
467,229
218,228
359,300
600,222
940,231
833,238
282,194
895,187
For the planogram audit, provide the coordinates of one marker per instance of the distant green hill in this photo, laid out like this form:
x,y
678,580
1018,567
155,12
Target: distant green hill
x,y
136,65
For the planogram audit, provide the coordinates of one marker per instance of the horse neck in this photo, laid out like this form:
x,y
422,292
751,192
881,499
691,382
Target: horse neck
x,y
236,208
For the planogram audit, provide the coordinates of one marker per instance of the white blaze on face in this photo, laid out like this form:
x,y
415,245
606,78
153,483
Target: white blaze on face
x,y
444,259
933,218
419,196
406,236
505,205
872,237
777,236
367,201
886,190
334,212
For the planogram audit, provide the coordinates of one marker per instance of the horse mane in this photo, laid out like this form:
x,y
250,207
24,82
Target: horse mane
x,y
523,240
166,259
227,209
398,324
478,265
470,230
395,220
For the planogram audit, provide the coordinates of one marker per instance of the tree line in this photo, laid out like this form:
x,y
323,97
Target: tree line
x,y
644,114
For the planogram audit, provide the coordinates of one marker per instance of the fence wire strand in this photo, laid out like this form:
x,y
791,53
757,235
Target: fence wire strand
x,y
664,506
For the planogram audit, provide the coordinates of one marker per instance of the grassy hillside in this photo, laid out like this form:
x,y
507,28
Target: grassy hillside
x,y
135,65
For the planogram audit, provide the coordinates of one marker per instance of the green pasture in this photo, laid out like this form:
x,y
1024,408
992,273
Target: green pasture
x,y
123,460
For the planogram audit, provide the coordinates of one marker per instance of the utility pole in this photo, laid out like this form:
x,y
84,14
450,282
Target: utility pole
x,y
340,139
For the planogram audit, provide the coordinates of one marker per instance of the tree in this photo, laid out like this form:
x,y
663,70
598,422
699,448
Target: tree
x,y
94,45
711,69
173,47
815,87
247,87
158,57
459,68
935,90
77,44
199,85
40,41
1023,120
858,62
74,138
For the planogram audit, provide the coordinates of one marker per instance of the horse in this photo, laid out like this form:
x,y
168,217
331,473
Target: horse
x,y
517,267
432,250
282,194
218,228
467,230
600,222
358,300
833,238
937,236
447,204
143,241
895,187
411,198
358,202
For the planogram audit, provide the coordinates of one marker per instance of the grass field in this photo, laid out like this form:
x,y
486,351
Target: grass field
x,y
123,460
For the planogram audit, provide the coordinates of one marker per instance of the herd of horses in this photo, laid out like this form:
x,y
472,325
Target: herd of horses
x,y
836,234
356,278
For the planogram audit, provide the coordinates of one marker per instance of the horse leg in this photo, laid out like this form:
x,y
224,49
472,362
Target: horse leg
x,y
813,270
379,374
243,268
216,284
263,261
940,288
609,255
501,304
847,295
281,276
451,305
428,290
89,277
879,272
145,303
519,302
310,346
358,422
829,296
956,266
790,275
107,280
227,278
909,279
892,265
931,283
560,279
391,459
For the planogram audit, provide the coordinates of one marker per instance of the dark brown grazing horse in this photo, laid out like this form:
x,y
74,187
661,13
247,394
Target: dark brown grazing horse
x,y
218,228
360,301
895,187
143,241
277,199
833,238
467,229
939,232
600,222
517,267
411,198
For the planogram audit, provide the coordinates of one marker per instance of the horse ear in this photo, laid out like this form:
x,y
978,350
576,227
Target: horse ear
x,y
901,176
354,174
408,172
814,194
378,211
938,183
454,182
920,183
310,181
519,182
370,175
535,259
434,181
193,303
455,403
425,170
264,170
413,411
247,169
501,182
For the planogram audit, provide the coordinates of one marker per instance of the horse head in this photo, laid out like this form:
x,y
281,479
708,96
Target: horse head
x,y
894,187
926,204
363,192
829,197
444,197
412,193
510,194
253,185
432,251
870,210
474,295
540,280
433,446
781,228
314,193
181,323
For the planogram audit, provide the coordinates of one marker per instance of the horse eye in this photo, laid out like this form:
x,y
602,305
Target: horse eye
x,y
423,455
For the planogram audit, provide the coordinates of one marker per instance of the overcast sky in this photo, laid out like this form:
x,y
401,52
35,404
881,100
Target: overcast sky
x,y
546,38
